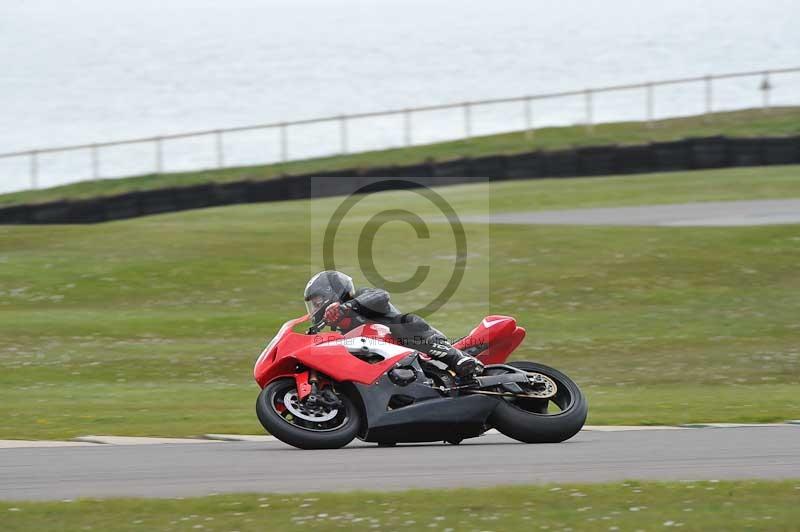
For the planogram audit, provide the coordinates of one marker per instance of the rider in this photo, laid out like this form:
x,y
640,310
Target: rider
x,y
331,296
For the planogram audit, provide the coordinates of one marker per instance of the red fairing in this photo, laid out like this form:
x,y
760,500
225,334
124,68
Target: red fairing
x,y
373,330
268,354
325,352
291,354
500,333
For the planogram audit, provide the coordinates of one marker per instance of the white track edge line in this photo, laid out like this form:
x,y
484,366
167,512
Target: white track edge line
x,y
137,440
92,440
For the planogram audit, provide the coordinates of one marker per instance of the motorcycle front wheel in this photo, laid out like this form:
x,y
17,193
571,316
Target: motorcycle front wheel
x,y
294,422
551,420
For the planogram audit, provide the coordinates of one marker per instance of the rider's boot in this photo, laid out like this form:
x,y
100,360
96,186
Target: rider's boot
x,y
466,366
463,365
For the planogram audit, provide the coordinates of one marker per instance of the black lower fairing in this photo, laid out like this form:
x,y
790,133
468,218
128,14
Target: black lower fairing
x,y
418,412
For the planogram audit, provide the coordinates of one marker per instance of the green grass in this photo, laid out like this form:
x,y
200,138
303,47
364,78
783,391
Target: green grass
x,y
151,326
754,122
703,506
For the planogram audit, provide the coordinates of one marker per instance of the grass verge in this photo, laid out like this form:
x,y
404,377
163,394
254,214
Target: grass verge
x,y
753,122
151,326
701,506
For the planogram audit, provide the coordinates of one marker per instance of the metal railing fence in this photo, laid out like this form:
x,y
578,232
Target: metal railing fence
x,y
283,128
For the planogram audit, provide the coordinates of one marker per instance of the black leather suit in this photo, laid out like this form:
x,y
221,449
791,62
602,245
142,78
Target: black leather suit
x,y
372,305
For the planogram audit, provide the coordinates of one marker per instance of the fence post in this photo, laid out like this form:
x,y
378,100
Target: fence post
x,y
284,142
95,162
589,111
220,149
343,133
467,119
34,169
407,127
709,97
159,155
529,131
650,104
765,87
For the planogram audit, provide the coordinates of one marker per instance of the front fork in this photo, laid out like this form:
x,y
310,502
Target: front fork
x,y
304,386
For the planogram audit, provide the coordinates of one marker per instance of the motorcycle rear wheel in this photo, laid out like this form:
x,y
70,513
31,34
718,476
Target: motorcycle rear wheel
x,y
293,424
530,420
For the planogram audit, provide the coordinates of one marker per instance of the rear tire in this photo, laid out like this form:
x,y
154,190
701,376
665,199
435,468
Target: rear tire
x,y
300,437
528,422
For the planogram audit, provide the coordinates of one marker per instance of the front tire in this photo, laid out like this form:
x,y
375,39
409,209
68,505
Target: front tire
x,y
529,420
285,418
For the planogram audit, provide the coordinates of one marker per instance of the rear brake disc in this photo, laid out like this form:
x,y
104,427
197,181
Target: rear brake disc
x,y
542,386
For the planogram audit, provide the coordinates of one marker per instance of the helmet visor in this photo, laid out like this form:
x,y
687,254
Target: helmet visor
x,y
314,305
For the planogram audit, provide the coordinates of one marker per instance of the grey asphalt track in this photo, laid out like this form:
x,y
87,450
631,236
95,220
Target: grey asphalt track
x,y
711,213
171,470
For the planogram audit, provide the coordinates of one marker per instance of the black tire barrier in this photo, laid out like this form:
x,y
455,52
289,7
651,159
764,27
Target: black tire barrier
x,y
231,193
524,166
19,214
297,187
560,163
453,167
122,206
157,201
781,150
194,197
596,160
637,159
415,170
55,212
494,166
709,152
86,211
267,190
686,154
378,171
745,152
671,156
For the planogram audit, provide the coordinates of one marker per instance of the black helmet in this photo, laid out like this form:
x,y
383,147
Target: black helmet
x,y
325,288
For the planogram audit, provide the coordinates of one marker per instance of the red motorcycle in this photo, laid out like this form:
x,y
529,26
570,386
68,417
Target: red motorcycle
x,y
322,390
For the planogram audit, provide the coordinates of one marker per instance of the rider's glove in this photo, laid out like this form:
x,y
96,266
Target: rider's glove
x,y
335,312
